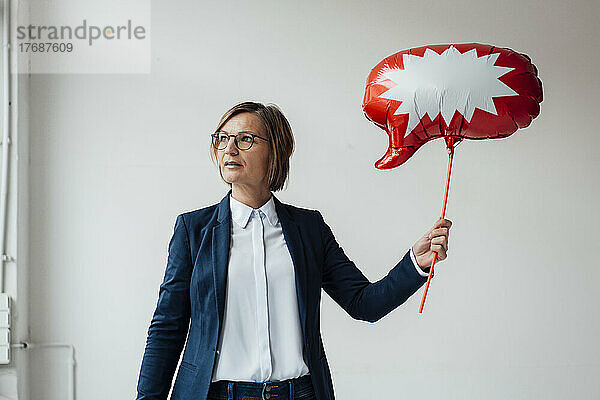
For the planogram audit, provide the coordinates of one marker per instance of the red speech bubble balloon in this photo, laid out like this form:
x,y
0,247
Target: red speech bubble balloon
x,y
454,91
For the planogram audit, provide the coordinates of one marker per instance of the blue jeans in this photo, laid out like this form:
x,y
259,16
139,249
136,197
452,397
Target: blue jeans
x,y
291,389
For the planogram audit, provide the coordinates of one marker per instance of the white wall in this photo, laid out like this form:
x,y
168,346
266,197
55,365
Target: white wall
x,y
512,313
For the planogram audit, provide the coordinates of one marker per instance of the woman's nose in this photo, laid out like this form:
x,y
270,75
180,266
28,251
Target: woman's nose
x,y
230,145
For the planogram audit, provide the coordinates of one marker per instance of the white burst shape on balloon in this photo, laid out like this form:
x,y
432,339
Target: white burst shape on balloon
x,y
449,82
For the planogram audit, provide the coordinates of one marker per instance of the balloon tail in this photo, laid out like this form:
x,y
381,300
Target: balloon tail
x,y
451,155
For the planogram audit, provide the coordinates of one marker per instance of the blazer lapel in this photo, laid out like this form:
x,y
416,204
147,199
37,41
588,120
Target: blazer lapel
x,y
293,239
221,236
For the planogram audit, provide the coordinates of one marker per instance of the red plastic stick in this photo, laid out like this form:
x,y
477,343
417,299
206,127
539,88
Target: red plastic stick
x,y
443,216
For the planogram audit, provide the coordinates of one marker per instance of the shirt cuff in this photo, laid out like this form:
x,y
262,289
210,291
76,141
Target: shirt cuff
x,y
414,260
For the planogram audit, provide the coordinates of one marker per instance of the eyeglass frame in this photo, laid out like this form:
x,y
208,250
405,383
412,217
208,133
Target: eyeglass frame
x,y
235,135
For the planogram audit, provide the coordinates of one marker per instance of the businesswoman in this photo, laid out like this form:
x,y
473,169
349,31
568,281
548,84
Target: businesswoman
x,y
244,277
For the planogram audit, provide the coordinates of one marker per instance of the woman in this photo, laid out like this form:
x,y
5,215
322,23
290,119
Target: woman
x,y
244,277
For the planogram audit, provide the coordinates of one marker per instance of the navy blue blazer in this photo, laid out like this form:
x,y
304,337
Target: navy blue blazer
x,y
192,297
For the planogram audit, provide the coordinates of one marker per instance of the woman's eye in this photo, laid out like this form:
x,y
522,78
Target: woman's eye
x,y
246,138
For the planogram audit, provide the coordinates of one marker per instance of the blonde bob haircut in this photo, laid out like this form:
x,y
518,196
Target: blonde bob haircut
x,y
278,132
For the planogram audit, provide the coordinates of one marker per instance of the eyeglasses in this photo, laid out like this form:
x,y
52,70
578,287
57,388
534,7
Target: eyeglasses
x,y
243,140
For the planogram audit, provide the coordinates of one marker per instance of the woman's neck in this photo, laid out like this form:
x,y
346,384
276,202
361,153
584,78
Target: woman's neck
x,y
253,197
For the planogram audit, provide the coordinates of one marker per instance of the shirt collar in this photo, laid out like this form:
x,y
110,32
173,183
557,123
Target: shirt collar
x,y
241,212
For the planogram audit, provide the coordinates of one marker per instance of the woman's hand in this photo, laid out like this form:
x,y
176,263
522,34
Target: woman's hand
x,y
434,241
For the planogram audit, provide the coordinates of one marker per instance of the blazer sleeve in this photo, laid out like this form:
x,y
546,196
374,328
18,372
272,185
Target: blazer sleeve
x,y
170,322
360,298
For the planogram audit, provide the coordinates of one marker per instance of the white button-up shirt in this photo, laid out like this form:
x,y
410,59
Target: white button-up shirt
x,y
261,336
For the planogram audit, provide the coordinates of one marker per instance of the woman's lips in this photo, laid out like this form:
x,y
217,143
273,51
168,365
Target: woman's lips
x,y
232,165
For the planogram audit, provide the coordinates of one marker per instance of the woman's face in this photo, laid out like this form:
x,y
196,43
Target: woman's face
x,y
254,161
